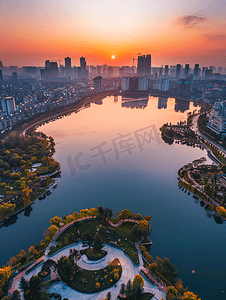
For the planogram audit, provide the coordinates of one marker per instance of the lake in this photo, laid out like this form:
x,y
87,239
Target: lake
x,y
111,154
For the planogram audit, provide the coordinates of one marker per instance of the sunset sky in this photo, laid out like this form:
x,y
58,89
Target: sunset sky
x,y
172,31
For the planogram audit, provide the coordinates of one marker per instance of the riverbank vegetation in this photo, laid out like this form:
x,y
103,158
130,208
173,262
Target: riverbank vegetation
x,y
207,182
23,159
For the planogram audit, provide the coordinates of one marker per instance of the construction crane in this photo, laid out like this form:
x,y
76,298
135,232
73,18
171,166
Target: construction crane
x,y
133,61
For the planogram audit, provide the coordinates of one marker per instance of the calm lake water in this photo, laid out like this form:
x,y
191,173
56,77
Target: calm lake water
x,y
112,154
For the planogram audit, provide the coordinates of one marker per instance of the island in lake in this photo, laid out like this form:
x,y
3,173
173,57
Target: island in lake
x,y
92,253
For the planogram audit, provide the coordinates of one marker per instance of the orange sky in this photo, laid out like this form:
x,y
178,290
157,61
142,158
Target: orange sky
x,y
32,31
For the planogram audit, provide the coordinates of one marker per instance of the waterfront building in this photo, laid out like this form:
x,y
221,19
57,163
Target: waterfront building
x,y
144,64
184,87
164,84
8,105
217,118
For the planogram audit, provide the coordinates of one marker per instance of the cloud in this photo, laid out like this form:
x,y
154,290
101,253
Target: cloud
x,y
214,37
190,21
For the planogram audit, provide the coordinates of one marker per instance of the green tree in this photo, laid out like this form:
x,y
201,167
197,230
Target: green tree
x,y
56,221
98,243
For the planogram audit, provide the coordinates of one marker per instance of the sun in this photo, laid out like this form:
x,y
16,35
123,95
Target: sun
x,y
113,57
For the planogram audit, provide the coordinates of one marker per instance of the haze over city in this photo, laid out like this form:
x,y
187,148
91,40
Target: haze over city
x,y
172,31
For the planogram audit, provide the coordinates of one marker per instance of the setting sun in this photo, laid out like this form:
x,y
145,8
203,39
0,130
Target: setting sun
x,y
112,57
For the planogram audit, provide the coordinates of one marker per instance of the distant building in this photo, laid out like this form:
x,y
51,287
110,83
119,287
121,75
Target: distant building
x,y
144,64
109,71
217,118
178,70
164,84
8,105
1,65
67,66
184,87
186,71
84,72
51,70
209,74
196,70
97,82
30,70
125,83
166,70
135,83
1,77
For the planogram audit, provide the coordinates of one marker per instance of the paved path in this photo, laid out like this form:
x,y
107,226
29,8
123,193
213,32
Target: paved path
x,y
129,270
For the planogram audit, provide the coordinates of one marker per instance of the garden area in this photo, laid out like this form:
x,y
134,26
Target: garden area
x,y
119,237
87,281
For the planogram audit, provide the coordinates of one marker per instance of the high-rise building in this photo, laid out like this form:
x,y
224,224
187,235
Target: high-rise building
x,y
144,64
166,70
196,70
220,70
1,77
160,71
51,70
67,62
67,66
209,74
97,82
186,70
1,65
178,70
84,72
204,71
83,63
164,84
8,105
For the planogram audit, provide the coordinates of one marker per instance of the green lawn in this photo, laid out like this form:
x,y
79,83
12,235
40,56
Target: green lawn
x,y
121,235
85,281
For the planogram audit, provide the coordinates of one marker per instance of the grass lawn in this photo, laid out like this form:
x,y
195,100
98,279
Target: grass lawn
x,y
121,235
86,281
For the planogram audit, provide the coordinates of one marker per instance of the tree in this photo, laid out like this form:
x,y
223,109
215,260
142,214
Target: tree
x,y
88,238
73,256
171,293
122,289
53,229
108,297
16,295
65,267
23,284
26,195
31,249
128,291
4,275
98,243
139,280
190,296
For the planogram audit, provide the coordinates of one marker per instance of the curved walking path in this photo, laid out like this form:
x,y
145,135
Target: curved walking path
x,y
129,270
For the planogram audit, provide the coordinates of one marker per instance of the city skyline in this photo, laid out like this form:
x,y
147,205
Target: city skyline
x,y
187,32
